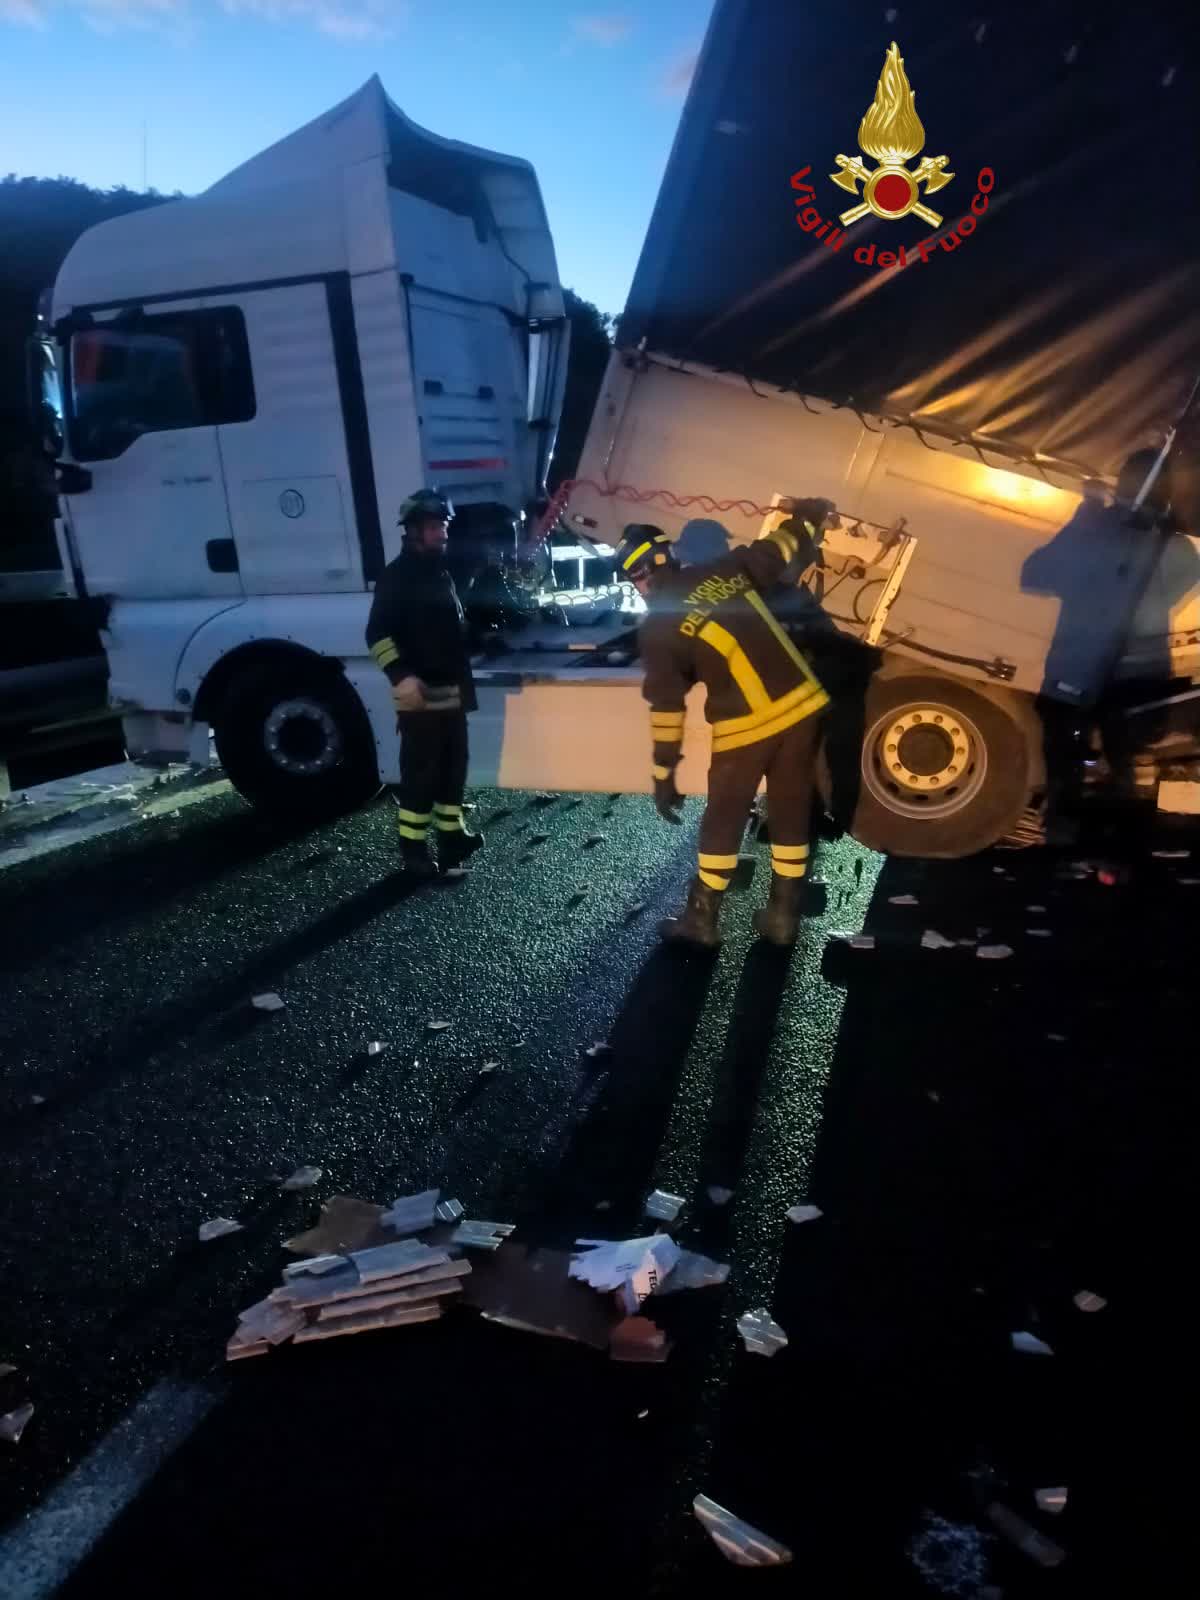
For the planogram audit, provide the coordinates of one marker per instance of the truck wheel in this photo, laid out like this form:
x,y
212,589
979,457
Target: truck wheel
x,y
942,771
296,741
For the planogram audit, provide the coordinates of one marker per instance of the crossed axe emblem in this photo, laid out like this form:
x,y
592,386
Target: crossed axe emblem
x,y
931,172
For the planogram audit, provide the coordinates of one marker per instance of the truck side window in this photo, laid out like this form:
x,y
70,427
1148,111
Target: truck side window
x,y
149,374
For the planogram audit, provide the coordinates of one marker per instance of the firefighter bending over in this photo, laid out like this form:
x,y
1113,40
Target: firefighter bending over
x,y
417,633
710,623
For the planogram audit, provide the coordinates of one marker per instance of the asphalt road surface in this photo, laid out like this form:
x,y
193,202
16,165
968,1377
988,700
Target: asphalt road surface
x,y
986,1139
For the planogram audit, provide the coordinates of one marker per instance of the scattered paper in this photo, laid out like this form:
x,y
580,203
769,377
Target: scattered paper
x,y
931,939
482,1235
37,1099
489,1066
664,1207
738,1541
438,1027
1030,1345
634,1268
903,900
994,952
317,1267
719,1196
304,1178
217,1228
375,1048
1085,1300
449,1211
1171,855
413,1213
1052,1501
862,941
694,1271
800,1214
595,1051
267,1002
638,1339
13,1423
761,1336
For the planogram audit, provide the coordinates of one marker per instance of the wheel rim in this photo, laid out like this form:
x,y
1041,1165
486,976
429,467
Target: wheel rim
x,y
301,738
924,760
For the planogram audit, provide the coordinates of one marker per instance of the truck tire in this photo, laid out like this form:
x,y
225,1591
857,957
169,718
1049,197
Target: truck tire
x,y
942,771
295,741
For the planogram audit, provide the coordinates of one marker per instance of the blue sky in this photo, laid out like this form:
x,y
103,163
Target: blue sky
x,y
590,94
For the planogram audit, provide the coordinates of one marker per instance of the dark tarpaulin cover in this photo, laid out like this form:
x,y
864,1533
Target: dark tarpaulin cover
x,y
1067,324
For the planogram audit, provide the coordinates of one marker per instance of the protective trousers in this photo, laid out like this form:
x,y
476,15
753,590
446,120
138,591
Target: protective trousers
x,y
433,772
788,762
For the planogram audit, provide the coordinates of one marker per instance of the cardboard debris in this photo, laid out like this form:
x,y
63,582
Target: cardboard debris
x,y
448,1211
931,939
270,1321
375,1048
761,1336
267,1002
1085,1300
369,1322
304,1178
595,1051
391,1260
664,1207
903,900
1030,1345
347,1285
531,1290
1026,1538
634,1268
489,1066
413,1213
482,1235
218,1228
386,1296
13,1423
717,1195
638,1339
994,952
862,941
316,1266
738,1541
804,1213
345,1224
1051,1501
438,1027
239,1349
694,1271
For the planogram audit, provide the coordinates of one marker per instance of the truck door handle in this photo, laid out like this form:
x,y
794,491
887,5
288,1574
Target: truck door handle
x,y
222,555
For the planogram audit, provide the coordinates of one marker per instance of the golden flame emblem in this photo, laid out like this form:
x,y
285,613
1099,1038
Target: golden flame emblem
x,y
891,134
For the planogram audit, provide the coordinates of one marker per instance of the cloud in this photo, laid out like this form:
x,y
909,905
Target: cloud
x,y
677,79
352,21
603,30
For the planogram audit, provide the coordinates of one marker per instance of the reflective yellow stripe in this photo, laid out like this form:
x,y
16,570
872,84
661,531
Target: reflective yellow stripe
x,y
787,542
637,554
668,735
712,880
789,869
667,719
412,833
448,811
449,824
760,605
789,852
413,816
743,674
720,863
735,741
385,652
774,708
660,773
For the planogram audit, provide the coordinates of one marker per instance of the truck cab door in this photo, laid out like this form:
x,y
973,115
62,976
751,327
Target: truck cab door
x,y
146,391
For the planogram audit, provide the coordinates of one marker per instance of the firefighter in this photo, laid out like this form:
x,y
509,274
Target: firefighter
x,y
711,623
417,633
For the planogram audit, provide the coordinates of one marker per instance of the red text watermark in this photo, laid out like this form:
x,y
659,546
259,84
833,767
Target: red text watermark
x,y
868,255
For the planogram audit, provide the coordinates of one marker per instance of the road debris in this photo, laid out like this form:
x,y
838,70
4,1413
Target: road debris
x,y
1030,1345
1085,1300
597,1051
799,1214
413,1213
717,1195
304,1178
315,1267
37,1099
375,1048
931,939
345,1224
13,1423
1036,911
437,1027
638,1339
490,1066
482,1235
694,1271
950,1556
856,941
1039,933
738,1541
1026,1538
1051,1501
636,908
1171,855
1058,1038
903,900
593,839
7,1369
530,1290
633,1268
664,1207
267,1002
449,1211
218,1228
761,1336
994,952
538,838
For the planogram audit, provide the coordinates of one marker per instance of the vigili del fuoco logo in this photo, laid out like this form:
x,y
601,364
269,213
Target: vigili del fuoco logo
x,y
891,135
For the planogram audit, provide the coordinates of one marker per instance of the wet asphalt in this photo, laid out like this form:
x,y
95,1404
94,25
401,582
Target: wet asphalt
x,y
985,1139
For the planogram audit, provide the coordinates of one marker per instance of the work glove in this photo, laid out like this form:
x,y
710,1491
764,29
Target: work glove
x,y
408,695
818,512
667,798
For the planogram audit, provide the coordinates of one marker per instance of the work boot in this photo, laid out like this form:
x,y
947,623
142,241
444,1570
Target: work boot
x,y
419,865
456,849
779,920
697,923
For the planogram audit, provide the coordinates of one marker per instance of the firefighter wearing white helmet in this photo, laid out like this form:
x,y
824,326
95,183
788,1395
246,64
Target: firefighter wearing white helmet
x,y
417,633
